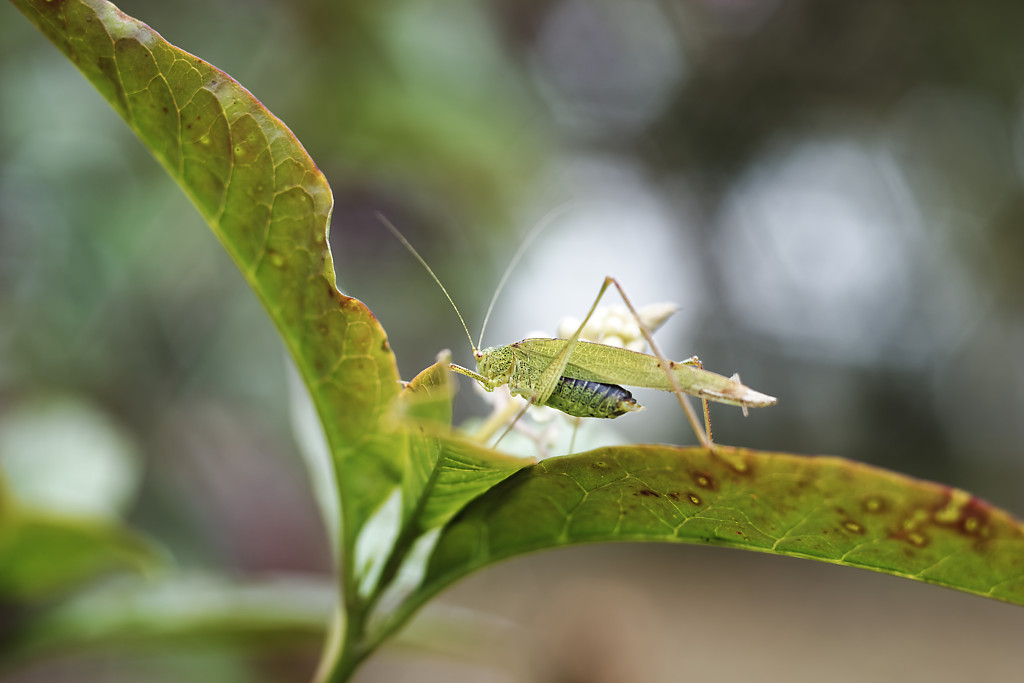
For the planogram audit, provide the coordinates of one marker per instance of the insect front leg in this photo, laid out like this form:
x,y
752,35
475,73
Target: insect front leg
x,y
523,381
484,382
488,383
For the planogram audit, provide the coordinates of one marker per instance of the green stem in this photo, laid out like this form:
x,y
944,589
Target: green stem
x,y
344,650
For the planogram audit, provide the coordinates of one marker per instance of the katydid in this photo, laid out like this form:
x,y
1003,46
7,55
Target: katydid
x,y
583,379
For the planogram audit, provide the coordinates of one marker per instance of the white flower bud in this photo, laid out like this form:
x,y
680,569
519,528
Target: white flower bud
x,y
567,327
613,340
655,315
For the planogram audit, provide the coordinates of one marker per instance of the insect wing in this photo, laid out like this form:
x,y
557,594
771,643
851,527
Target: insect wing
x,y
614,365
595,362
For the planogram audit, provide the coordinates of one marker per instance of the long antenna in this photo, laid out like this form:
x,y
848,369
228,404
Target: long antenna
x,y
545,221
412,250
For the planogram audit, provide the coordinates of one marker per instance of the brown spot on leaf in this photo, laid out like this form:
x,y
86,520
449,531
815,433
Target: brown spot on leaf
x,y
964,514
973,526
917,538
874,504
736,459
647,492
849,524
912,537
804,483
853,527
694,498
705,481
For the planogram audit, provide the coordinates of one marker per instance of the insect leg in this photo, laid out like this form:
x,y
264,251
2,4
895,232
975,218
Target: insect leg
x,y
703,435
486,383
575,429
512,424
553,372
704,404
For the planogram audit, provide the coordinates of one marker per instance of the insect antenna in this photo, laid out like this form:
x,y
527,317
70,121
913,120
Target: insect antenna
x,y
542,225
412,250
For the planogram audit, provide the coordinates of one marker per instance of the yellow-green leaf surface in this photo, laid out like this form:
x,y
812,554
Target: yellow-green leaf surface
x,y
822,508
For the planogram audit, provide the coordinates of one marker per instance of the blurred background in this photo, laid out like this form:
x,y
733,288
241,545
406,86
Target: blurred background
x,y
831,191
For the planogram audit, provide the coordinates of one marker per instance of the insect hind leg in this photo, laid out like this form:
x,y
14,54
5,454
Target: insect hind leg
x,y
703,433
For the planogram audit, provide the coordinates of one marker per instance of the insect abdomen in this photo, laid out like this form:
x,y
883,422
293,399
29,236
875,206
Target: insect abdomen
x,y
583,398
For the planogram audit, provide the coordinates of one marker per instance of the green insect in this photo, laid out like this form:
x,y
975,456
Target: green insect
x,y
584,379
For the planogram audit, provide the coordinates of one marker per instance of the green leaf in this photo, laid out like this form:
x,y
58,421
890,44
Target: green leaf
x,y
42,555
445,474
270,206
185,611
453,471
822,508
